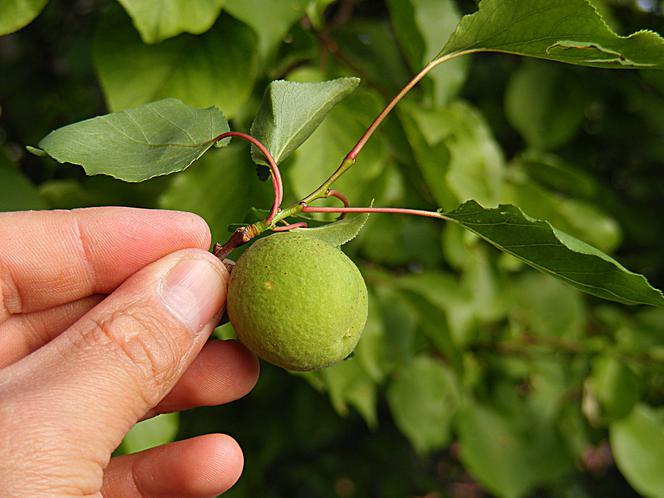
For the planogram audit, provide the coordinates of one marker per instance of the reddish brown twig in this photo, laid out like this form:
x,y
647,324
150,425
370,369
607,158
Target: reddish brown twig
x,y
338,195
341,197
240,236
415,212
274,169
300,224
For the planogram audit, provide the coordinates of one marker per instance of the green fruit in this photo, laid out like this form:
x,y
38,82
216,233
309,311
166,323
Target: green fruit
x,y
297,301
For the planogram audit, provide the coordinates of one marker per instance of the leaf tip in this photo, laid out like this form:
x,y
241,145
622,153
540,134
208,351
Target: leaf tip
x,y
353,80
36,151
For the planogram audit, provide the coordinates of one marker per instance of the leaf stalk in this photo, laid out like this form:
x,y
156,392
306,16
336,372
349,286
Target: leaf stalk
x,y
413,212
350,158
275,174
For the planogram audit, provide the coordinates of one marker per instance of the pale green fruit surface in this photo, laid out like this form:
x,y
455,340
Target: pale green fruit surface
x,y
297,302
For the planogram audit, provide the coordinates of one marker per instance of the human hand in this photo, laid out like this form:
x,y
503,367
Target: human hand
x,y
104,318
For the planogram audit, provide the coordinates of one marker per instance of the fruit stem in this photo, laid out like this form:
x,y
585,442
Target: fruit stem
x,y
414,212
240,236
274,169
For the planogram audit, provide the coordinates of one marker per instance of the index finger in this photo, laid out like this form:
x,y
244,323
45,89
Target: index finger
x,y
50,258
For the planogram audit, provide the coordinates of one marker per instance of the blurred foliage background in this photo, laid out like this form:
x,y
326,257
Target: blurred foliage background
x,y
476,376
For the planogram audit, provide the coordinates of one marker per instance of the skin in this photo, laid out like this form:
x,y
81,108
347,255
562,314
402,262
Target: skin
x,y
104,319
297,302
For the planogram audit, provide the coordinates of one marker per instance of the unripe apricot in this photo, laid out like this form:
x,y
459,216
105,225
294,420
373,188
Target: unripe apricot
x,y
297,302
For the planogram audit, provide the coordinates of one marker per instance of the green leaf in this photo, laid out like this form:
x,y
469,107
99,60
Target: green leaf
x,y
615,385
15,14
568,31
225,332
553,172
152,432
369,352
510,455
421,26
133,145
444,291
400,320
349,384
482,282
434,326
545,103
389,336
545,307
270,20
339,232
549,250
578,218
492,451
324,150
638,448
458,156
199,190
370,45
456,244
214,69
432,160
291,112
423,398
467,301
400,240
316,12
639,335
101,190
157,20
16,191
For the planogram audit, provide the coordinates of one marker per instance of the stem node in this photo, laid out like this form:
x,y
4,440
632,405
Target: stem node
x,y
240,236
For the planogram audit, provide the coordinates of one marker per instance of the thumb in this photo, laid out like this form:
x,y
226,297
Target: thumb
x,y
122,358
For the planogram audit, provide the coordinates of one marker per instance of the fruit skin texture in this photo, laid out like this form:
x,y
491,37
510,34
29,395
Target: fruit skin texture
x,y
297,302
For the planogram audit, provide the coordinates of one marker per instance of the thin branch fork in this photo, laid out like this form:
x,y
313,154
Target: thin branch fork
x,y
244,234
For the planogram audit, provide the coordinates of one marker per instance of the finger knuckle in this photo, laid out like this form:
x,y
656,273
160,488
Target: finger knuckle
x,y
11,301
138,340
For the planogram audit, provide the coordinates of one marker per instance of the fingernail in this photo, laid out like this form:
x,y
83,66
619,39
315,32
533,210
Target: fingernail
x,y
193,291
